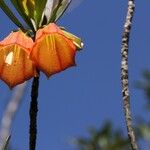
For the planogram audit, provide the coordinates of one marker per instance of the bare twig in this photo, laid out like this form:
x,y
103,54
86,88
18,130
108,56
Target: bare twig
x,y
124,73
10,113
33,113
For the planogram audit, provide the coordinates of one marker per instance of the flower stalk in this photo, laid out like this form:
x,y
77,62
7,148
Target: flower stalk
x,y
33,113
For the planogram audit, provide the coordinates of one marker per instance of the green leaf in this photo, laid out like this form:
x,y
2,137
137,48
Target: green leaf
x,y
39,9
10,14
5,147
64,5
50,6
145,130
18,4
60,9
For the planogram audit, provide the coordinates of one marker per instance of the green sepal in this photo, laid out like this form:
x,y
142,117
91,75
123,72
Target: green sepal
x,y
76,40
10,14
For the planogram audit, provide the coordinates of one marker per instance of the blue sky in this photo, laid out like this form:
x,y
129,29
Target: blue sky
x,y
90,93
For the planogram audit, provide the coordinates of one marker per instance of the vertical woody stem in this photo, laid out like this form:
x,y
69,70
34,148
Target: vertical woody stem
x,y
33,113
124,73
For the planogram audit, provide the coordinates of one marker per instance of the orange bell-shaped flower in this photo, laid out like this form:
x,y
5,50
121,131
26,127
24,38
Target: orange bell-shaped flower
x,y
15,65
53,51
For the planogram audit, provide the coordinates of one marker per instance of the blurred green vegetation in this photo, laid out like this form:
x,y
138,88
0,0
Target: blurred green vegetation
x,y
105,138
108,138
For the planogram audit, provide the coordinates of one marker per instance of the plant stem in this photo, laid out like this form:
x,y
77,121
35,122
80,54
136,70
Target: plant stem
x,y
124,73
33,113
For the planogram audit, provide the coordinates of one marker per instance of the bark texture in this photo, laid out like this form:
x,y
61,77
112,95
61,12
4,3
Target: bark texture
x,y
124,73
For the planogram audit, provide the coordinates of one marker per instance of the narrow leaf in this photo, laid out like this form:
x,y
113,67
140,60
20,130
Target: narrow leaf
x,y
50,6
39,11
10,14
5,147
60,9
21,10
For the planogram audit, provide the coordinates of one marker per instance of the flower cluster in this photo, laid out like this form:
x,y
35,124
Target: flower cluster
x,y
53,50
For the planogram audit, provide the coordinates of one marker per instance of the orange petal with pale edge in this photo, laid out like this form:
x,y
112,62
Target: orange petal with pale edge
x,y
53,53
51,28
15,65
18,38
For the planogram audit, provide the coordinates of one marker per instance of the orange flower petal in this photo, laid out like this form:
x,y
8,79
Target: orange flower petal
x,y
51,28
18,38
53,52
15,65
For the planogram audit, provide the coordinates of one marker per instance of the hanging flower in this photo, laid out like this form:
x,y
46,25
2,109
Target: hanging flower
x,y
53,51
15,65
